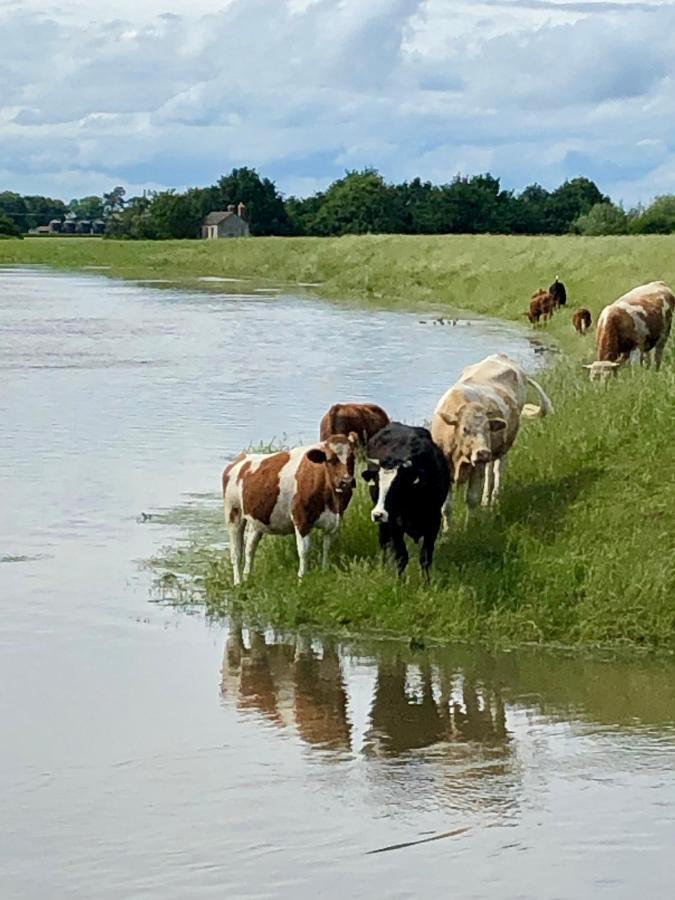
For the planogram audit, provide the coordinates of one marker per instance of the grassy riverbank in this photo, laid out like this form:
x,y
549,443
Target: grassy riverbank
x,y
581,550
583,546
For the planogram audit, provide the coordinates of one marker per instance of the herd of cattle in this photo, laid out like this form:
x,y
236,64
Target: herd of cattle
x,y
412,471
639,320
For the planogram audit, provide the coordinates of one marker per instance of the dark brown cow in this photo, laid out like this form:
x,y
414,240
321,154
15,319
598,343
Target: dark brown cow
x,y
291,491
558,292
541,306
365,419
582,320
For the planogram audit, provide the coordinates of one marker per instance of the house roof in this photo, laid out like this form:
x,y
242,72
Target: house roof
x,y
215,218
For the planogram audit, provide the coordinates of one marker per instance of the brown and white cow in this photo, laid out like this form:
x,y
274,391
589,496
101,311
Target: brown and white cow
x,y
475,424
582,320
639,320
542,305
365,419
290,491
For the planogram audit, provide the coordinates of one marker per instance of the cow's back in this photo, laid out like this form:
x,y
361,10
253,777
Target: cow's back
x,y
366,419
637,319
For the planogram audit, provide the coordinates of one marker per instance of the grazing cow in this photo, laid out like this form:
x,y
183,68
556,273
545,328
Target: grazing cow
x,y
639,320
541,306
558,292
476,422
410,481
582,320
365,419
279,493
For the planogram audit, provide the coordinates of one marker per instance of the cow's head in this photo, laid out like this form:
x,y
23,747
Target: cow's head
x,y
390,480
601,370
337,456
473,428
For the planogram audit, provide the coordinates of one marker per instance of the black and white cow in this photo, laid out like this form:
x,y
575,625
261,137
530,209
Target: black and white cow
x,y
409,483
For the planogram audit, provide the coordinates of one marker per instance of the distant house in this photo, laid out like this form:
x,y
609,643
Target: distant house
x,y
232,222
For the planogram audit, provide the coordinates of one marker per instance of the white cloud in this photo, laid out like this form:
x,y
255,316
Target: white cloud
x,y
173,93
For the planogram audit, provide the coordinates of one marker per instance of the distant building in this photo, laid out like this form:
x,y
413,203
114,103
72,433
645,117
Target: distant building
x,y
70,226
232,222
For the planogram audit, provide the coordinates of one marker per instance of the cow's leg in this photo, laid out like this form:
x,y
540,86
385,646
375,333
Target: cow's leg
x,y
488,481
428,544
400,549
645,358
303,543
251,541
328,537
447,512
236,531
474,490
384,537
499,467
658,352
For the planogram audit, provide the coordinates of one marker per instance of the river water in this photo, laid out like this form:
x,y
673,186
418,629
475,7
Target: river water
x,y
148,753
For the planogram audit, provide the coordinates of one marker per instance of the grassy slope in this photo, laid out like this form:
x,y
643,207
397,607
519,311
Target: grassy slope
x,y
582,548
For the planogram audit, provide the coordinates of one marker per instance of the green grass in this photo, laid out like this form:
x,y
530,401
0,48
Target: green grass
x,y
582,549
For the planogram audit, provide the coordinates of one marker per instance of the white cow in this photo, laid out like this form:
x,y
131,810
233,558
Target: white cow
x,y
476,422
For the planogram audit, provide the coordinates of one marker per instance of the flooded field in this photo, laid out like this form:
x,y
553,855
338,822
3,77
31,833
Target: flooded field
x,y
148,753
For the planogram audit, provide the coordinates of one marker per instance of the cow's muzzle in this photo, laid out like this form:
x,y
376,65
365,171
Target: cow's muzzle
x,y
480,456
347,484
380,516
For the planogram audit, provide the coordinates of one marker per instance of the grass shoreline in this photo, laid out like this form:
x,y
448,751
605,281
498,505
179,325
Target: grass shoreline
x,y
581,551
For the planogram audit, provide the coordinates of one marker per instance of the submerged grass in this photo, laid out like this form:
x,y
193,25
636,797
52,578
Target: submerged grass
x,y
582,547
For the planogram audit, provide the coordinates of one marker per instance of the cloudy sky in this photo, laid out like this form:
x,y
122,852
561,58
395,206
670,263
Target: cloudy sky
x,y
171,93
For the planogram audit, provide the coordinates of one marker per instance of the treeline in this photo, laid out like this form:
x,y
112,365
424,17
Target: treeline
x,y
361,202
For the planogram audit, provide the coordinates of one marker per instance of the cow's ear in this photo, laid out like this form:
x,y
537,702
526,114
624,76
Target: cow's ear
x,y
369,474
497,424
316,455
449,420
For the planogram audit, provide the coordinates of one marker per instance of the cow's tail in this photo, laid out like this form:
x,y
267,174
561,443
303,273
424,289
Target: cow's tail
x,y
530,411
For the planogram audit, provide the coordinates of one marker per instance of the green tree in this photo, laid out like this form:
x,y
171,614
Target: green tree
x,y
477,205
528,210
569,201
602,218
113,202
8,227
359,203
302,213
265,206
87,208
134,222
657,218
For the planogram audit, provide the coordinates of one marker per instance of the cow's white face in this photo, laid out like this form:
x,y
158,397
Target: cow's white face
x,y
390,479
601,370
337,455
473,428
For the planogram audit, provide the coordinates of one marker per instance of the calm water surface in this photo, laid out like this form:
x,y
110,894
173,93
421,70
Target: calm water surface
x,y
146,753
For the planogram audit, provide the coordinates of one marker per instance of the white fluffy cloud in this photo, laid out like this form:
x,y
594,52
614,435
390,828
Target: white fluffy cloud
x,y
173,93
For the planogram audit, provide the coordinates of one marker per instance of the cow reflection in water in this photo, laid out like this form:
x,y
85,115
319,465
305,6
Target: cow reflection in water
x,y
408,714
290,685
